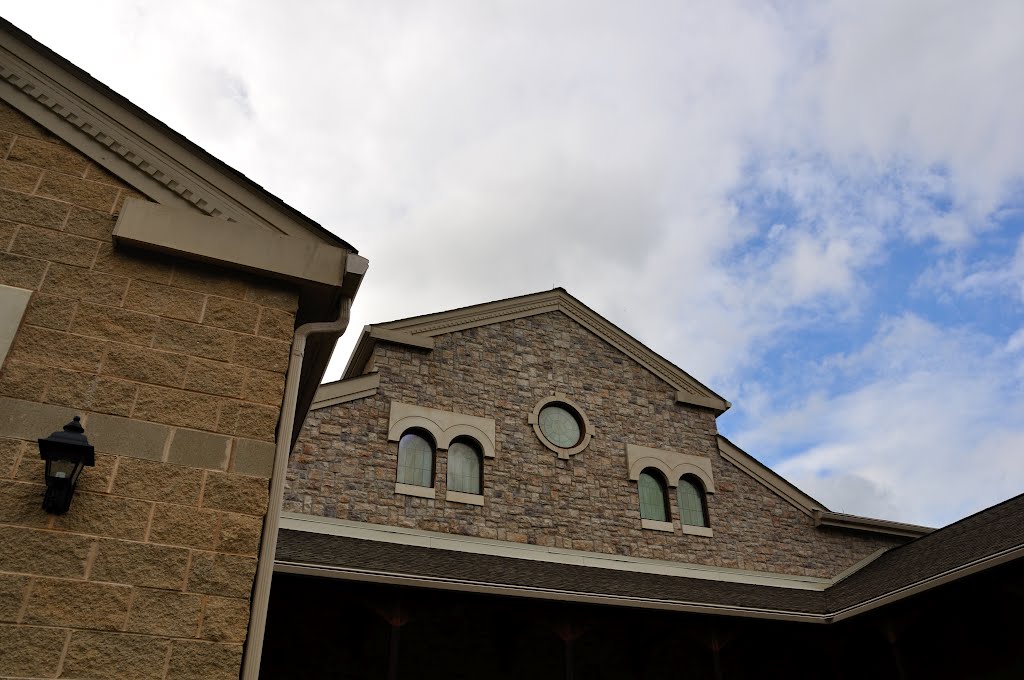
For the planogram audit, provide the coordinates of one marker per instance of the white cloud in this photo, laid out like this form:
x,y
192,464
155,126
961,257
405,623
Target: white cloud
x,y
999,275
928,427
712,177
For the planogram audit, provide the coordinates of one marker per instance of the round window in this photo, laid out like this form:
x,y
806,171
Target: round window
x,y
560,425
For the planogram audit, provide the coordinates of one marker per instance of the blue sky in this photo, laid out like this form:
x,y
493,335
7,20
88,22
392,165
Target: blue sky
x,y
817,209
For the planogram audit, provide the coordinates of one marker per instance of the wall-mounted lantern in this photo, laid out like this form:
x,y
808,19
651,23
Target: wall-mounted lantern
x,y
66,452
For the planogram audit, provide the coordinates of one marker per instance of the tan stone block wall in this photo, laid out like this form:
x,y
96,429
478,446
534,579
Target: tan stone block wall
x,y
159,556
344,466
178,372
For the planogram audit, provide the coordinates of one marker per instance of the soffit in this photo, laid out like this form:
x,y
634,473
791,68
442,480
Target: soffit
x,y
135,146
418,329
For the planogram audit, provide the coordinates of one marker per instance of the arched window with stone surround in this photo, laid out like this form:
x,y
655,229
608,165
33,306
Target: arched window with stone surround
x,y
653,497
416,458
693,505
465,466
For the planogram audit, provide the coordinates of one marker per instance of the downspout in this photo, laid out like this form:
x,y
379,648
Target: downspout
x,y
268,549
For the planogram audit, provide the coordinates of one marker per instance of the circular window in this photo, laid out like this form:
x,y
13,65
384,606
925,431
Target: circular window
x,y
560,425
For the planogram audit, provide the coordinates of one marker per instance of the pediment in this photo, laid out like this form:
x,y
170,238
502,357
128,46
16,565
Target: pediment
x,y
136,147
419,332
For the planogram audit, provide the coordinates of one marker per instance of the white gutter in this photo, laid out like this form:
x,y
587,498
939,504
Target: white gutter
x,y
953,574
271,524
488,588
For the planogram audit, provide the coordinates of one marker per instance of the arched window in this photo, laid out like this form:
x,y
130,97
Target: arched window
x,y
693,507
464,469
416,459
653,499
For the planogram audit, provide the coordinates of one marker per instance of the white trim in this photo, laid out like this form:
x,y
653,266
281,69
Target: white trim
x,y
927,584
747,463
237,245
414,490
13,303
672,464
399,338
698,531
655,525
140,150
854,568
295,522
586,431
524,551
444,426
840,520
342,391
462,497
465,585
687,389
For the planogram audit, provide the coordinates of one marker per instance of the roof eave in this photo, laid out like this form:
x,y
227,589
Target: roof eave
x,y
76,106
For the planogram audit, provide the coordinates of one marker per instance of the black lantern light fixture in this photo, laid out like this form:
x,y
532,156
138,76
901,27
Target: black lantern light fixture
x,y
66,452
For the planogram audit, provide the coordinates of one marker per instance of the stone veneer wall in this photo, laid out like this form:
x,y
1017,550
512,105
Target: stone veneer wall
x,y
178,371
344,467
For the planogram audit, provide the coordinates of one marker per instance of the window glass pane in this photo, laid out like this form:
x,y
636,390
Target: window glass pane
x,y
652,498
691,504
560,426
415,460
463,468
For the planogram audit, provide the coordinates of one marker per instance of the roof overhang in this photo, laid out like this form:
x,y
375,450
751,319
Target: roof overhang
x,y
824,518
418,332
332,548
342,391
134,145
202,209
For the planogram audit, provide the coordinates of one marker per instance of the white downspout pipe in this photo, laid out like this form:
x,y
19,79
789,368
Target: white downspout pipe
x,y
268,549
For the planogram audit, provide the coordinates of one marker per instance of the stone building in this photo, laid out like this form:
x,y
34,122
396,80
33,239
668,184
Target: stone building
x,y
162,297
482,479
516,489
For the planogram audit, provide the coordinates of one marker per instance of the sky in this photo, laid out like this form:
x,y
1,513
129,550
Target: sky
x,y
817,209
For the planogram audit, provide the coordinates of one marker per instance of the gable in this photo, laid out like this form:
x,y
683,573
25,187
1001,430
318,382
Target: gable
x,y
197,207
129,143
420,332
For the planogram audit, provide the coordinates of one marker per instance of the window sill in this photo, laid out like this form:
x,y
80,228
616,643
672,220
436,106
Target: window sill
x,y
462,497
655,525
413,490
697,531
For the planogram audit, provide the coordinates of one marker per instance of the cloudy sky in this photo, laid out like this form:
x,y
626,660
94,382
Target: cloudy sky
x,y
817,209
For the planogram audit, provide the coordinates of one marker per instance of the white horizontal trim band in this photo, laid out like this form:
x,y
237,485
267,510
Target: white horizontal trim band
x,y
373,576
485,546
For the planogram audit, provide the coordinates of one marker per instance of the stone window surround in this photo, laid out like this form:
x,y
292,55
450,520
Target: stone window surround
x,y
587,430
13,303
673,465
444,427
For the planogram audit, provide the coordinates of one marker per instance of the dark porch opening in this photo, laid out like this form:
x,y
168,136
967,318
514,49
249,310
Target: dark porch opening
x,y
320,628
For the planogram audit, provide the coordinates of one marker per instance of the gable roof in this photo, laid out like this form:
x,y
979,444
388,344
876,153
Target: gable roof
x,y
202,209
132,144
419,331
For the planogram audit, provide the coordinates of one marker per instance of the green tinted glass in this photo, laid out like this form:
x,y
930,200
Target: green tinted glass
x,y
691,504
652,498
560,426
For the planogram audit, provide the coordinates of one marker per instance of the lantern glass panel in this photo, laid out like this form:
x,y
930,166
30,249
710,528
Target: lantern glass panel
x,y
61,469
